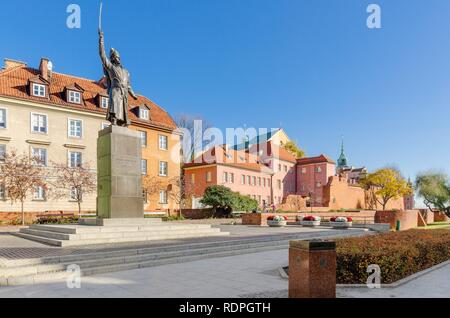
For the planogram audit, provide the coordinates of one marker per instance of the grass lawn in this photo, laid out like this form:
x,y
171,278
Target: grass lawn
x,y
438,225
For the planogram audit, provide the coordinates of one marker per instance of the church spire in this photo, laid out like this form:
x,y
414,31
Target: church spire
x,y
342,161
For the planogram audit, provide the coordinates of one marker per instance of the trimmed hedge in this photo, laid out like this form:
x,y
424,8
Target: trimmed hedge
x,y
399,254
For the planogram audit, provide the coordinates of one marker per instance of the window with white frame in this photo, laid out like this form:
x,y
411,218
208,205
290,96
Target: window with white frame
x,y
2,153
225,177
264,182
39,194
39,90
2,118
74,97
39,123
74,194
75,128
2,192
104,101
39,156
249,180
231,177
208,176
145,196
163,197
163,144
75,159
143,135
254,181
144,114
259,181
144,167
242,179
163,169
285,168
318,169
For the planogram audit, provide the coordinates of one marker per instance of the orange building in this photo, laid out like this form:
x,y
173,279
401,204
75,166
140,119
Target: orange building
x,y
58,117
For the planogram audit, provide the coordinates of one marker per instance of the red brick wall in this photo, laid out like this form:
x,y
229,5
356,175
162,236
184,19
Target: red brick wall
x,y
427,217
408,219
440,217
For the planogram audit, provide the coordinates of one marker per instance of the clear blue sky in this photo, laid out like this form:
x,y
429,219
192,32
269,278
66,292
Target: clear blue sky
x,y
312,66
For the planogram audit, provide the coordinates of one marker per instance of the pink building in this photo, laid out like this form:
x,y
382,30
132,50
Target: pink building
x,y
312,175
265,172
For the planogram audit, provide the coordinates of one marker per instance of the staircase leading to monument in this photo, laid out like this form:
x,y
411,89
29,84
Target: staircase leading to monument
x,y
115,231
93,262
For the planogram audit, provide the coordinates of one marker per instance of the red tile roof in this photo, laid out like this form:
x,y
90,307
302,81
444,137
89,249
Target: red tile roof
x,y
14,83
269,149
311,160
234,158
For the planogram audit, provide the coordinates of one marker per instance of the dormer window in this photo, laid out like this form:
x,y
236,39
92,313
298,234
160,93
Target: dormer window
x,y
144,114
39,90
74,97
74,94
104,102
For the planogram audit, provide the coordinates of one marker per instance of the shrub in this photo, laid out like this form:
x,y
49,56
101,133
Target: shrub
x,y
224,201
399,254
57,220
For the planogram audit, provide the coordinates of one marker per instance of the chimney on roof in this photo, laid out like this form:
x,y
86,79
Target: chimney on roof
x,y
12,63
45,68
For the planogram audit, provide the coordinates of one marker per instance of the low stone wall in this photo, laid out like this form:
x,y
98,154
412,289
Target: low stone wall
x,y
441,217
197,214
408,219
261,218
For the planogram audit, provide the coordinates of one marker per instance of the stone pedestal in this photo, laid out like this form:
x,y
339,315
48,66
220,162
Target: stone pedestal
x,y
312,269
119,154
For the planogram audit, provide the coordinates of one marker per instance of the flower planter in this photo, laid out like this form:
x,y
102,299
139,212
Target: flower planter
x,y
341,225
276,223
310,223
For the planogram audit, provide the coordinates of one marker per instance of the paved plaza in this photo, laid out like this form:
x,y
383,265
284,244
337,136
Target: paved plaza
x,y
237,276
251,275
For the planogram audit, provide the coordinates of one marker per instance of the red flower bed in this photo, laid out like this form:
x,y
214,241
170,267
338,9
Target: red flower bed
x,y
310,218
349,219
270,218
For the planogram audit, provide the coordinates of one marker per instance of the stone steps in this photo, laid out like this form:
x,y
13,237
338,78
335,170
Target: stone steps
x,y
119,238
115,231
156,231
50,269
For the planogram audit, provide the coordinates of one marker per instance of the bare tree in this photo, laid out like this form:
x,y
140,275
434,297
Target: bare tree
x,y
192,129
21,175
152,185
180,190
76,181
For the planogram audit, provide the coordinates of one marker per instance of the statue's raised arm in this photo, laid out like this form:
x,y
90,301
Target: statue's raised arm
x,y
106,62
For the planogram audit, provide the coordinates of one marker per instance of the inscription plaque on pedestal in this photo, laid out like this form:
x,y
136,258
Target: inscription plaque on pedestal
x,y
119,154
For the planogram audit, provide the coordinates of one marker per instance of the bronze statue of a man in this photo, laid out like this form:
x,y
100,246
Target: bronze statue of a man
x,y
118,86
